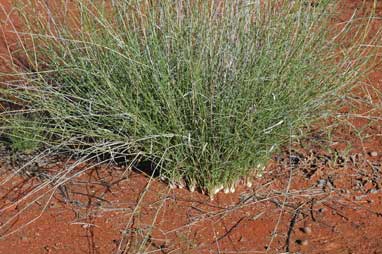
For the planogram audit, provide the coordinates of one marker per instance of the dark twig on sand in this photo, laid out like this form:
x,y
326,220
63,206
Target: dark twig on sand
x,y
291,226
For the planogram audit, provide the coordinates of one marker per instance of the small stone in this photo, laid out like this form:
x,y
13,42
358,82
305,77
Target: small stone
x,y
242,239
321,183
294,160
58,245
47,249
302,242
373,191
306,230
373,154
24,238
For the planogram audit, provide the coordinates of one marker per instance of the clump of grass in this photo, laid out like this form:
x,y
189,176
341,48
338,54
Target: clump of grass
x,y
206,91
24,135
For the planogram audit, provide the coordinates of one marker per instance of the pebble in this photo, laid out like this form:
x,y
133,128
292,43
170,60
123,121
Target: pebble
x,y
294,160
373,154
321,183
373,191
24,238
302,242
359,198
306,230
242,239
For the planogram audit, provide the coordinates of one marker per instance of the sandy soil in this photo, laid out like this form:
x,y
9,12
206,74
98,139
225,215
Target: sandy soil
x,y
316,197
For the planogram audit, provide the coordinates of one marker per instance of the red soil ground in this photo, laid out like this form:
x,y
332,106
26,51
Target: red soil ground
x,y
317,197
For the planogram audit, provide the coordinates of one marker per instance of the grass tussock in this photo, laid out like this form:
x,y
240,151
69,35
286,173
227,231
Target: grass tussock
x,y
206,91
